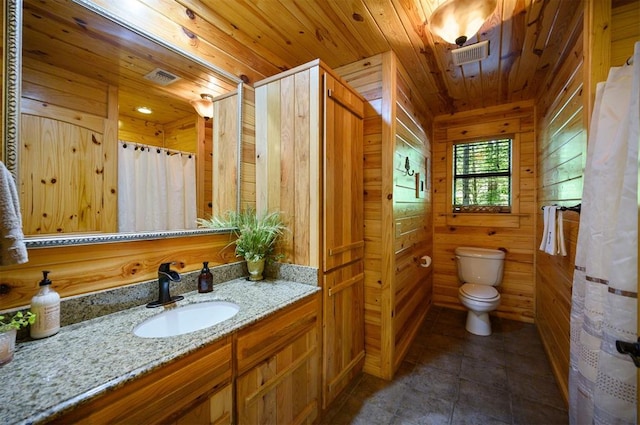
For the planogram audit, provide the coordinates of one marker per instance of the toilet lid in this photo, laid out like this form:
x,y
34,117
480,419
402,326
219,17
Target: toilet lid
x,y
479,292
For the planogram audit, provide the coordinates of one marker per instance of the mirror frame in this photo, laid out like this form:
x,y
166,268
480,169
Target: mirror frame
x,y
12,88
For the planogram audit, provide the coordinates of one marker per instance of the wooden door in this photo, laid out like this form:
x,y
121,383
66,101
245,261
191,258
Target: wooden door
x,y
343,176
343,328
343,237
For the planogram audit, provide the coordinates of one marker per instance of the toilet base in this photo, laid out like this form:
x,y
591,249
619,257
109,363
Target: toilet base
x,y
478,323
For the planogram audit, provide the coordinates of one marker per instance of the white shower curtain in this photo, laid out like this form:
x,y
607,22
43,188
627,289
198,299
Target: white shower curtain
x,y
156,190
603,382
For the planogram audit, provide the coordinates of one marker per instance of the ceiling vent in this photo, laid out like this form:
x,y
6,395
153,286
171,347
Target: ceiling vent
x,y
472,53
161,77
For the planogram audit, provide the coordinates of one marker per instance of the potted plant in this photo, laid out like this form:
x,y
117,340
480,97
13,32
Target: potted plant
x,y
9,326
256,236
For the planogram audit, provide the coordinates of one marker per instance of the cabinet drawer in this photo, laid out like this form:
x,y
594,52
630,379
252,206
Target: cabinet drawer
x,y
163,394
272,334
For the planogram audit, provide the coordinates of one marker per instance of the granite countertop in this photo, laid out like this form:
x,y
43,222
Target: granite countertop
x,y
49,376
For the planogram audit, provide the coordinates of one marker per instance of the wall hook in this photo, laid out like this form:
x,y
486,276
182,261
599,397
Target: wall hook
x,y
407,166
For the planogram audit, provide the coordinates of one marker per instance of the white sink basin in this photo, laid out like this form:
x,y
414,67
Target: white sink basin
x,y
185,319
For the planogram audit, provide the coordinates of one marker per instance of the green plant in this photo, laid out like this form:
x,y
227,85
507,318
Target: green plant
x,y
257,235
16,321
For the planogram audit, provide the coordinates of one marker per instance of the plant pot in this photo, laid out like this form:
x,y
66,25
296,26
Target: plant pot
x,y
256,268
7,346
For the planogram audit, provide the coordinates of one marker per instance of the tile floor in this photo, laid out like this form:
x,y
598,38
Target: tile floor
x,y
450,376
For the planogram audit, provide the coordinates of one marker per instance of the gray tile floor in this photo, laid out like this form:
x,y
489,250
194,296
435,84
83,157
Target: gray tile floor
x,y
451,376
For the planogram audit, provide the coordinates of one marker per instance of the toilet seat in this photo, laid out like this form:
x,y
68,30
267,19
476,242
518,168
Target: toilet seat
x,y
476,292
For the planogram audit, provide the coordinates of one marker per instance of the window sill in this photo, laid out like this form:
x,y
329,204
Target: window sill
x,y
483,219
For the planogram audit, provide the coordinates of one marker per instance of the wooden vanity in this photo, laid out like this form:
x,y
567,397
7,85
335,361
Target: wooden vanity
x,y
272,365
260,366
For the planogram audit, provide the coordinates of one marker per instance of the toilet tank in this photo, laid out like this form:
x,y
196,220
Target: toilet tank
x,y
480,265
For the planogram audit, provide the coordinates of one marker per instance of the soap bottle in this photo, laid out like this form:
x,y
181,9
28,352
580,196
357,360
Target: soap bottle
x,y
46,306
205,279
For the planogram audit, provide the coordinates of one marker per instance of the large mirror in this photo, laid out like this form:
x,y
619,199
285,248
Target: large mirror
x,y
85,90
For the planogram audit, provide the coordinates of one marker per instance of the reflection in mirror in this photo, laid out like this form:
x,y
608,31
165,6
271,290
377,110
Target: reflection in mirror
x,y
107,141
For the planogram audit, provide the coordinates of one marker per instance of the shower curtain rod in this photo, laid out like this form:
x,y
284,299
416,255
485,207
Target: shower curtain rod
x,y
575,208
169,151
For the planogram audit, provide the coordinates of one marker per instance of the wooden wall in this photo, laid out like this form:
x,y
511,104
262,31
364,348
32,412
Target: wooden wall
x,y
68,128
397,216
179,135
563,116
562,145
248,167
81,269
515,232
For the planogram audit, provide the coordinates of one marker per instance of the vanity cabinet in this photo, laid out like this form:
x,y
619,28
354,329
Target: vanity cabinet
x,y
309,166
278,367
197,386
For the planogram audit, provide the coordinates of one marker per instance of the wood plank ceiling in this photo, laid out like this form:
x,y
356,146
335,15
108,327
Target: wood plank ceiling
x,y
255,39
265,37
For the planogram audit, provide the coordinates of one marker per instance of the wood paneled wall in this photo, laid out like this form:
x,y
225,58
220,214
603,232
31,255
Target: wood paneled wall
x,y
515,232
289,173
562,144
221,157
248,167
625,30
397,215
87,268
68,141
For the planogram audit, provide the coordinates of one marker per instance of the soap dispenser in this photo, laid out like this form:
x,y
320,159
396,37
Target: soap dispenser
x,y
205,279
46,306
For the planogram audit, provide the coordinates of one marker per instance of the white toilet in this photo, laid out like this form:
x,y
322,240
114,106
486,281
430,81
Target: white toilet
x,y
479,270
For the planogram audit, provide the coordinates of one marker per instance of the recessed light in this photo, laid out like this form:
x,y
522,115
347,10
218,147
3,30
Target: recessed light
x,y
144,110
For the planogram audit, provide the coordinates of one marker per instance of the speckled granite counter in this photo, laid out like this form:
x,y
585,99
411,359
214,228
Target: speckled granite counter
x,y
84,360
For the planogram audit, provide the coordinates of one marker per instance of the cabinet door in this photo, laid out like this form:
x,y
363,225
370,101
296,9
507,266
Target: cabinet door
x,y
343,328
278,367
215,410
343,175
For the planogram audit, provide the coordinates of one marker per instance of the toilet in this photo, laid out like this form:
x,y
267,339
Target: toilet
x,y
479,271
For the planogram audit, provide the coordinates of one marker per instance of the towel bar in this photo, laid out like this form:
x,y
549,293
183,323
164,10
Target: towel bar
x,y
575,208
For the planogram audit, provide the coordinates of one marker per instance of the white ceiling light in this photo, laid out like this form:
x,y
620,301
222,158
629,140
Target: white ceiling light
x,y
144,110
456,21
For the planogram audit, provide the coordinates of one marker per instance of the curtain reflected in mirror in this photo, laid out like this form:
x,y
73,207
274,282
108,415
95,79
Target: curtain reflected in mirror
x,y
156,189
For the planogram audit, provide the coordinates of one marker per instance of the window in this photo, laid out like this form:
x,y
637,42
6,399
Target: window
x,y
482,176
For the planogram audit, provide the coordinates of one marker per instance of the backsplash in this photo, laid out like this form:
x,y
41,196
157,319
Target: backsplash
x,y
89,306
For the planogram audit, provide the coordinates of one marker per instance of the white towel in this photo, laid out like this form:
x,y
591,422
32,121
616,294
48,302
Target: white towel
x,y
545,231
553,232
551,245
12,247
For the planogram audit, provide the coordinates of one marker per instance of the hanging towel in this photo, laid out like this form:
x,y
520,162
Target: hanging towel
x,y
561,248
12,247
549,242
545,231
553,232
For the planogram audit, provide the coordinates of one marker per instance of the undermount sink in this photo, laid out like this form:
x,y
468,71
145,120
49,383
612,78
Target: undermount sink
x,y
185,319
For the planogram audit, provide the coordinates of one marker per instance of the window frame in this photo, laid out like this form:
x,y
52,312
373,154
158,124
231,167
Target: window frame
x,y
477,208
486,218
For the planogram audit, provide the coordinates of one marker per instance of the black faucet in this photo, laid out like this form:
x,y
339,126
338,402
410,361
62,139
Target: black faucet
x,y
165,276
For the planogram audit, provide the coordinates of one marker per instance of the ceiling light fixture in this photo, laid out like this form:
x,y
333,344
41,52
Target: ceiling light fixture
x,y
144,110
204,106
456,21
